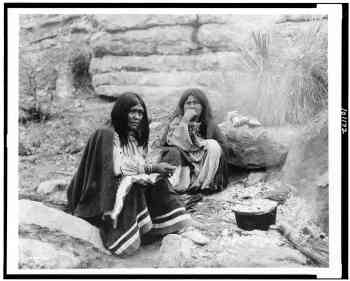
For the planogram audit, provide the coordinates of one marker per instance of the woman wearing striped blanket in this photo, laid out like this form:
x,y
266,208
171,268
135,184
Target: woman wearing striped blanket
x,y
117,189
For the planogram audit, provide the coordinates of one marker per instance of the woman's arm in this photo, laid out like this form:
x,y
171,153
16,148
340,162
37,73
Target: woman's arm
x,y
178,134
136,164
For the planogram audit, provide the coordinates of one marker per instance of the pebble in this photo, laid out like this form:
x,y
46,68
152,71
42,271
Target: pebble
x,y
196,237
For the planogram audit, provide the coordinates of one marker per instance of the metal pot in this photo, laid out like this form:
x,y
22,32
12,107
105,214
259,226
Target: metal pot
x,y
255,214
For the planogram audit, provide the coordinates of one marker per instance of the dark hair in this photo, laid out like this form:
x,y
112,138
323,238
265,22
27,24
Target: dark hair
x,y
119,118
206,114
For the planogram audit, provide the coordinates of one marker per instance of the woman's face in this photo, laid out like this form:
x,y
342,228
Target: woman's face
x,y
193,103
135,116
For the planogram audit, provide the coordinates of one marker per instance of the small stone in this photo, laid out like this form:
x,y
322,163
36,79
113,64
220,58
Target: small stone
x,y
174,251
197,237
155,125
256,177
224,232
50,186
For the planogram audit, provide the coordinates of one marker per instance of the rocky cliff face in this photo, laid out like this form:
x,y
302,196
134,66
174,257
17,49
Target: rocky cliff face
x,y
159,56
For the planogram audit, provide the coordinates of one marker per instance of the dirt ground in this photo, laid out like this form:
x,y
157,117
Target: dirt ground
x,y
52,150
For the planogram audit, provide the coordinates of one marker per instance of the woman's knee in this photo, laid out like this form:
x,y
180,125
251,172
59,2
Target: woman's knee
x,y
213,147
171,155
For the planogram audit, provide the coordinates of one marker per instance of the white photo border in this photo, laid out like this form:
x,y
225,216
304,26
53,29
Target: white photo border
x,y
334,270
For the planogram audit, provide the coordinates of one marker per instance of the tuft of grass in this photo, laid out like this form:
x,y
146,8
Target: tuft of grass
x,y
290,86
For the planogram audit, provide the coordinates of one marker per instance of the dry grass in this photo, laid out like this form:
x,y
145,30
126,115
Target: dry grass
x,y
287,86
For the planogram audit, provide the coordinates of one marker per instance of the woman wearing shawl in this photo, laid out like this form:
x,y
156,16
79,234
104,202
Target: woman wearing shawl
x,y
195,145
118,190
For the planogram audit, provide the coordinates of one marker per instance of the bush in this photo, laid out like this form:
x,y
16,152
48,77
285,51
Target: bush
x,y
285,87
79,63
37,80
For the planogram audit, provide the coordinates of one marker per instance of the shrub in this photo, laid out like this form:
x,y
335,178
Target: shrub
x,y
37,80
79,63
287,85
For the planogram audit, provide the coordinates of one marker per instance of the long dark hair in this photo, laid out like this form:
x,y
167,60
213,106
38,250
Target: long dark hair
x,y
119,118
206,114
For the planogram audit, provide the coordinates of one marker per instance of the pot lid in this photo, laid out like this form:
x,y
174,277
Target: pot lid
x,y
255,206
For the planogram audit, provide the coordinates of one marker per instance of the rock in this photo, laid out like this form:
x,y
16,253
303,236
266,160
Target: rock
x,y
51,186
234,32
85,25
149,93
161,96
157,40
255,177
174,251
323,180
156,126
277,191
238,120
23,150
31,212
300,18
34,254
54,191
221,37
59,19
218,19
195,236
124,22
260,147
162,79
64,81
225,61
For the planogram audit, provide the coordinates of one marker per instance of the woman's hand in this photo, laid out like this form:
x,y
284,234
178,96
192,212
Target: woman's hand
x,y
113,216
188,115
163,168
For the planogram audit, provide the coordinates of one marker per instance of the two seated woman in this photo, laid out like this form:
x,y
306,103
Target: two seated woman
x,y
129,198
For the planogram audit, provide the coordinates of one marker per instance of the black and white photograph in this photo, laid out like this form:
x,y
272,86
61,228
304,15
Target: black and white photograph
x,y
174,140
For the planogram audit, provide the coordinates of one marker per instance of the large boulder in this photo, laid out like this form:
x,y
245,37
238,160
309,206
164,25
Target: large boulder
x,y
57,244
36,254
257,147
31,212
